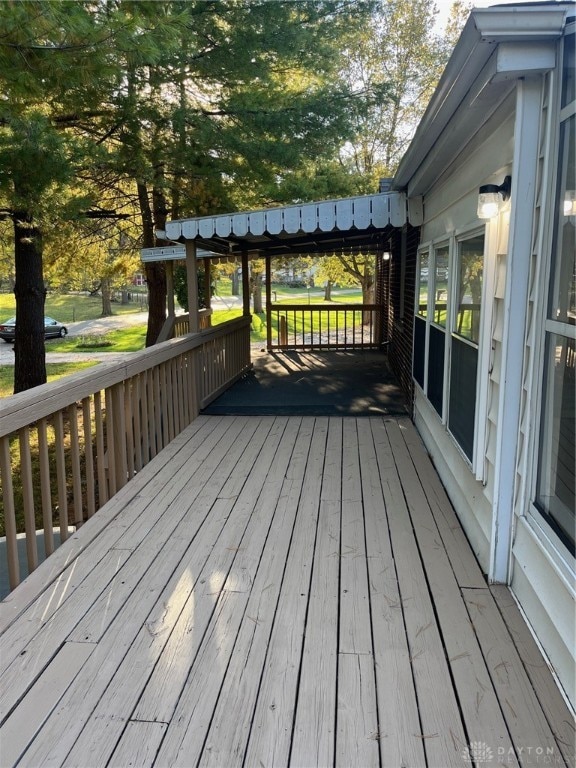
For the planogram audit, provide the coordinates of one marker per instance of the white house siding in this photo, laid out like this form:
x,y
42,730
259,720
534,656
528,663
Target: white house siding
x,y
542,578
449,209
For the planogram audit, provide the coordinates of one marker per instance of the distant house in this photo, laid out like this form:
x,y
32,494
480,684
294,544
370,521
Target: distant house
x,y
495,310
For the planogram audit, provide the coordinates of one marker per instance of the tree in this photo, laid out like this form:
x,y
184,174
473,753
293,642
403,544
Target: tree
x,y
42,45
221,96
399,59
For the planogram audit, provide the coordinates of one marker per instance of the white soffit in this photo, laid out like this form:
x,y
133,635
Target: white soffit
x,y
521,33
354,213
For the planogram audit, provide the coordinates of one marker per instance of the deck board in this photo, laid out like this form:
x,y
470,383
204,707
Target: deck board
x,y
273,591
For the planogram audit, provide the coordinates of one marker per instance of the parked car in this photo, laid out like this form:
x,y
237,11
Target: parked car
x,y
51,328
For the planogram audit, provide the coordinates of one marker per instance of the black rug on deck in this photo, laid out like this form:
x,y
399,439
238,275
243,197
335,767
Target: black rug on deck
x,y
338,383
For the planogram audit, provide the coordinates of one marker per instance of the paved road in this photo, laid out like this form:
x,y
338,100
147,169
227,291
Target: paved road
x,y
100,325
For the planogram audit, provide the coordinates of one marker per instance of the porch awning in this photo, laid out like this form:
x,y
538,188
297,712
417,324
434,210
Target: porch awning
x,y
349,224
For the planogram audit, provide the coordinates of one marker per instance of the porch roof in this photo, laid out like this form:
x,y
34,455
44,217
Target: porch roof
x,y
349,224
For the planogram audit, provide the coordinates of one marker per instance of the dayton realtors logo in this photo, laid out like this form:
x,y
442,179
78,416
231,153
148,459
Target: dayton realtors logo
x,y
479,753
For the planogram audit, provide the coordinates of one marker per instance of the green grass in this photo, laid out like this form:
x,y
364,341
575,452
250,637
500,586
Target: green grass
x,y
53,370
130,339
68,308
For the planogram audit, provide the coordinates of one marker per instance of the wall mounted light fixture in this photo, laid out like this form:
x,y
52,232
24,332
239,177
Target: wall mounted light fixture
x,y
491,197
569,207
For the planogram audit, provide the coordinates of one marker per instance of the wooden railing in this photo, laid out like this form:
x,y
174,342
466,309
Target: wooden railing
x,y
309,326
179,325
68,447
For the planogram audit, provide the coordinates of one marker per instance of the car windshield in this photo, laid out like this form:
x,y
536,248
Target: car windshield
x,y
10,321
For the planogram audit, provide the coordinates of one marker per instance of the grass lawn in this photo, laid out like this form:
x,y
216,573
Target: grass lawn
x,y
68,308
130,339
53,370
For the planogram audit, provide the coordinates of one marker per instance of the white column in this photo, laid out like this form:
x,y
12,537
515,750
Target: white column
x,y
523,199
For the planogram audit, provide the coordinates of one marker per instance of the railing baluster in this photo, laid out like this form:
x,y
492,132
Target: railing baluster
x,y
28,498
9,513
88,457
125,421
136,417
157,410
61,475
75,465
45,491
129,421
103,495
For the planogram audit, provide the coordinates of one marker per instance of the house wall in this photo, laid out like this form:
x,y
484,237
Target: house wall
x,y
540,576
449,212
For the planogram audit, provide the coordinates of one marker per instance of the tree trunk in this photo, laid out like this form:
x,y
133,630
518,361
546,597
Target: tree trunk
x,y
256,285
367,297
328,291
155,274
30,293
236,282
106,289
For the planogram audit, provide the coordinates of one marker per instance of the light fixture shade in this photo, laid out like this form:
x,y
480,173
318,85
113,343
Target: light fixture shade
x,y
489,204
491,197
569,207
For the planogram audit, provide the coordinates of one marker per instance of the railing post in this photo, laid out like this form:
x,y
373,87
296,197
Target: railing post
x,y
268,303
245,286
169,269
192,275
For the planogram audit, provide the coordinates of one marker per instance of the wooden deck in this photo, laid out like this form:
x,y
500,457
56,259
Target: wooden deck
x,y
275,591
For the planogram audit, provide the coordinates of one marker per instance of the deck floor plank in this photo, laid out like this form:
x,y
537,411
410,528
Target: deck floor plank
x,y
357,721
273,591
49,584
62,729
188,729
557,713
524,716
116,705
484,721
271,733
313,738
122,535
114,583
441,730
398,717
226,740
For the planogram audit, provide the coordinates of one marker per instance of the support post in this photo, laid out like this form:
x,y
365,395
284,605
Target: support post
x,y
192,275
208,291
169,269
268,303
245,285
207,283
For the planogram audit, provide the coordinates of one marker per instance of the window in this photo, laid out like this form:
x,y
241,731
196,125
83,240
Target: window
x,y
421,314
423,284
464,342
437,337
470,271
555,490
447,325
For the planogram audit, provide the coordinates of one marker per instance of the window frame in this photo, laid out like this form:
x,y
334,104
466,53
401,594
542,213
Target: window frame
x,y
488,230
538,520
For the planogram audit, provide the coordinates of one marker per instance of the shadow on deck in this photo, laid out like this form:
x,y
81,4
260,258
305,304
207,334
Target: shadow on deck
x,y
337,383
